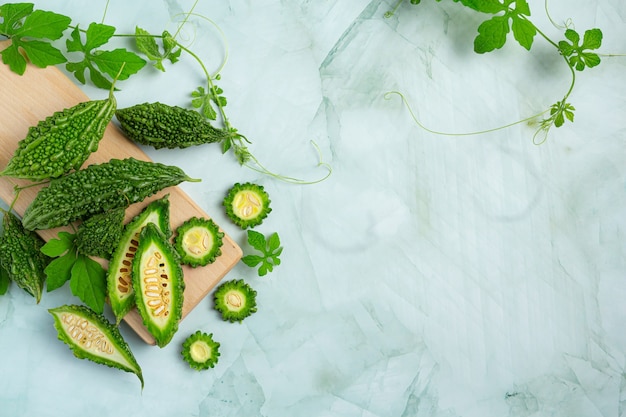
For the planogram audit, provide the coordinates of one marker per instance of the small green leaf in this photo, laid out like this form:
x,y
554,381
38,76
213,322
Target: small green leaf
x,y
59,270
43,24
11,14
274,242
592,39
252,260
97,35
484,6
12,57
256,240
110,62
88,282
60,245
42,54
491,34
523,31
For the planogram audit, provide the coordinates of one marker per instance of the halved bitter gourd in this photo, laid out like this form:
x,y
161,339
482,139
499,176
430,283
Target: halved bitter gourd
x,y
200,351
158,284
198,241
90,336
247,204
235,300
119,281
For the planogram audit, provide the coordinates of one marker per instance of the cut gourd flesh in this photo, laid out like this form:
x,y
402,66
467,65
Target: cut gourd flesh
x,y
119,280
235,300
247,204
158,283
198,242
90,336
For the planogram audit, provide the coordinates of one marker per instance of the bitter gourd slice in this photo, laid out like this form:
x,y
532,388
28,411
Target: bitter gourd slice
x,y
200,351
90,336
99,235
158,284
235,300
163,126
247,205
62,141
198,241
21,256
119,274
97,189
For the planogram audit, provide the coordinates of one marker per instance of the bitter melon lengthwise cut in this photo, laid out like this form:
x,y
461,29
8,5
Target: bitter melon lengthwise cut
x,y
62,141
163,126
97,189
119,274
21,256
198,241
90,336
158,284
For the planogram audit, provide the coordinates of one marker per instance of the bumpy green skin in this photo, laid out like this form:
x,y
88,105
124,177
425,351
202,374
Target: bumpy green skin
x,y
163,126
237,201
61,142
20,254
119,281
99,235
198,250
200,351
160,319
90,336
97,189
235,300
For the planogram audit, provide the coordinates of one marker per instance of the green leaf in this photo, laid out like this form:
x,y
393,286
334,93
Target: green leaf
x,y
60,245
522,7
148,46
273,243
12,14
59,270
11,56
484,6
110,62
523,31
5,280
97,34
256,240
88,282
491,34
43,24
42,54
592,39
252,260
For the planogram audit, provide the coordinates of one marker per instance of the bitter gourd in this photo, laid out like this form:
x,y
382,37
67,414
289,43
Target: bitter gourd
x,y
21,256
99,235
61,142
163,126
200,351
158,284
247,205
235,300
119,274
198,241
97,189
90,336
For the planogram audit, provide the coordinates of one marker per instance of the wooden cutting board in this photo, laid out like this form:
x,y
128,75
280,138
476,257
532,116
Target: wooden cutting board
x,y
27,99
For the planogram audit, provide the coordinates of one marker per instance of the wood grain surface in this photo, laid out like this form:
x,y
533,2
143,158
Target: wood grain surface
x,y
39,93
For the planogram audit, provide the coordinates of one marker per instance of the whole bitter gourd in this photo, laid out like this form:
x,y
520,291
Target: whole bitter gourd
x,y
200,351
119,274
90,336
61,142
21,256
158,284
99,235
97,189
163,126
198,241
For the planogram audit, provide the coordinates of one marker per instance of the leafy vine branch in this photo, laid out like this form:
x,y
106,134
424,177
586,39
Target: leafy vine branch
x,y
513,16
32,32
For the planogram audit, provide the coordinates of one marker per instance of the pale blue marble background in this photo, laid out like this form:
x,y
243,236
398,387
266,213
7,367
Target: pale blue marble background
x,y
437,276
